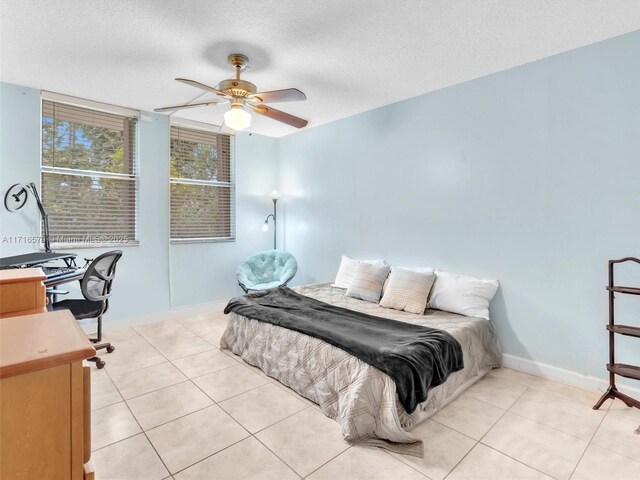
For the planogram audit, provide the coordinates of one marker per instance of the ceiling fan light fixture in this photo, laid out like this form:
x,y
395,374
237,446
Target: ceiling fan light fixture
x,y
237,117
240,94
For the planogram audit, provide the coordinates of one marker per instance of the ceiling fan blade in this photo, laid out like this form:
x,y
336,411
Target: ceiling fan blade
x,y
280,116
202,86
286,95
189,105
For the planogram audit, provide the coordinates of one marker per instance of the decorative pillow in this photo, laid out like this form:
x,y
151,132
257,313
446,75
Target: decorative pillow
x,y
348,269
367,282
413,269
407,290
462,294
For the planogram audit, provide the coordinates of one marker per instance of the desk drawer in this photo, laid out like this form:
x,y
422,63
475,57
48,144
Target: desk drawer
x,y
18,296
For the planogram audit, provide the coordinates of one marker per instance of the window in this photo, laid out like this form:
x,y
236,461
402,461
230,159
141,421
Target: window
x,y
89,174
202,186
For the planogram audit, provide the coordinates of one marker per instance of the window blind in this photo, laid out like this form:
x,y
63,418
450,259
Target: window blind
x,y
89,175
202,185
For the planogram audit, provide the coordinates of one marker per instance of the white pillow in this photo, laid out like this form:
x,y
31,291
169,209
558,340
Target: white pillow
x,y
407,290
348,269
367,282
462,294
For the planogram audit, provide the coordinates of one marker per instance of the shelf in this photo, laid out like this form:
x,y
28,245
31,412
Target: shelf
x,y
625,330
627,371
629,290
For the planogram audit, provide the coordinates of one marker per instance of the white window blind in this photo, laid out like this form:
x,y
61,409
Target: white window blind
x,y
202,186
89,175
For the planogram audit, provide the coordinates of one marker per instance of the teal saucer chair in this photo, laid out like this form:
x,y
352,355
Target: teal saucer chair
x,y
268,269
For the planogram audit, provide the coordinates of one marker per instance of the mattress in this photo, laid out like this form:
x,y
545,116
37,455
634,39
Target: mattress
x,y
358,396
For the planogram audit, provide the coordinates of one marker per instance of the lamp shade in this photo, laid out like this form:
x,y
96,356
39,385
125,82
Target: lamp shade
x,y
237,118
275,195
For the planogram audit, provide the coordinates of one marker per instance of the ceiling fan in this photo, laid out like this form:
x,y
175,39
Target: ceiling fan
x,y
242,94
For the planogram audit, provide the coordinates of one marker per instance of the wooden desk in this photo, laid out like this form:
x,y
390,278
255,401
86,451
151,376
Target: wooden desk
x,y
45,410
22,292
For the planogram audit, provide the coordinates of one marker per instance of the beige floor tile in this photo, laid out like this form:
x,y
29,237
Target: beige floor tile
x,y
616,432
559,412
164,405
305,441
214,334
203,363
575,394
204,324
361,463
484,463
103,391
97,375
246,460
130,459
618,404
543,448
261,407
127,359
256,370
253,368
139,382
290,391
443,449
514,376
191,438
469,416
162,331
600,464
496,390
112,424
125,337
182,346
229,382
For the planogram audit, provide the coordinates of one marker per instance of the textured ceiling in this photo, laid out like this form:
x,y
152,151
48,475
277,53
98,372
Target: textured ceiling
x,y
347,56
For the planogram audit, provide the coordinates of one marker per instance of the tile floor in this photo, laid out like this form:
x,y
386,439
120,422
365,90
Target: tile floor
x,y
169,404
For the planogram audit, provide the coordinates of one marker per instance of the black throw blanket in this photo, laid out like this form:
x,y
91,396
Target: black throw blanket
x,y
417,358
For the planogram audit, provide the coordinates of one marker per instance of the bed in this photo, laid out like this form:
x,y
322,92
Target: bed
x,y
361,398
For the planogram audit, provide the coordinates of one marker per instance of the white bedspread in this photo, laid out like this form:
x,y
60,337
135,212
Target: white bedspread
x,y
358,396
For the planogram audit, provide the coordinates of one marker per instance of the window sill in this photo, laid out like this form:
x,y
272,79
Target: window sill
x,y
178,241
77,246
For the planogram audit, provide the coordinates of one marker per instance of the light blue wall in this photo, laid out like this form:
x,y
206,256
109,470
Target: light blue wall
x,y
530,176
19,146
153,276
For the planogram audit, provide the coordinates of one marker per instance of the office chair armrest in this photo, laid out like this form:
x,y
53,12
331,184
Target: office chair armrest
x,y
53,291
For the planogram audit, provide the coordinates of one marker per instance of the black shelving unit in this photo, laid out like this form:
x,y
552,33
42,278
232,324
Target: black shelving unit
x,y
621,369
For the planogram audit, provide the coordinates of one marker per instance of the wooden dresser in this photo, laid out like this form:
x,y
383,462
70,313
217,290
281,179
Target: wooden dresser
x,y
45,411
22,291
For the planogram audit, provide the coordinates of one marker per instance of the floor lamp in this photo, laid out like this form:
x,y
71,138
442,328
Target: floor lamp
x,y
265,226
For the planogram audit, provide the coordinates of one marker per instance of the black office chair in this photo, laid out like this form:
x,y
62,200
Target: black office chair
x,y
96,289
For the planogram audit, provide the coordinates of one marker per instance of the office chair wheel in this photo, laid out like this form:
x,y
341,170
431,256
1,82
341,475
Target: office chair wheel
x,y
100,364
110,349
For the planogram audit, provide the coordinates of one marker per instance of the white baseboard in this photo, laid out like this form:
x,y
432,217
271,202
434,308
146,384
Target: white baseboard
x,y
563,376
198,308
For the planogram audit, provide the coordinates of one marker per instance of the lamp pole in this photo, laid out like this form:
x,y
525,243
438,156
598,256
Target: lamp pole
x,y
265,227
275,222
45,218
